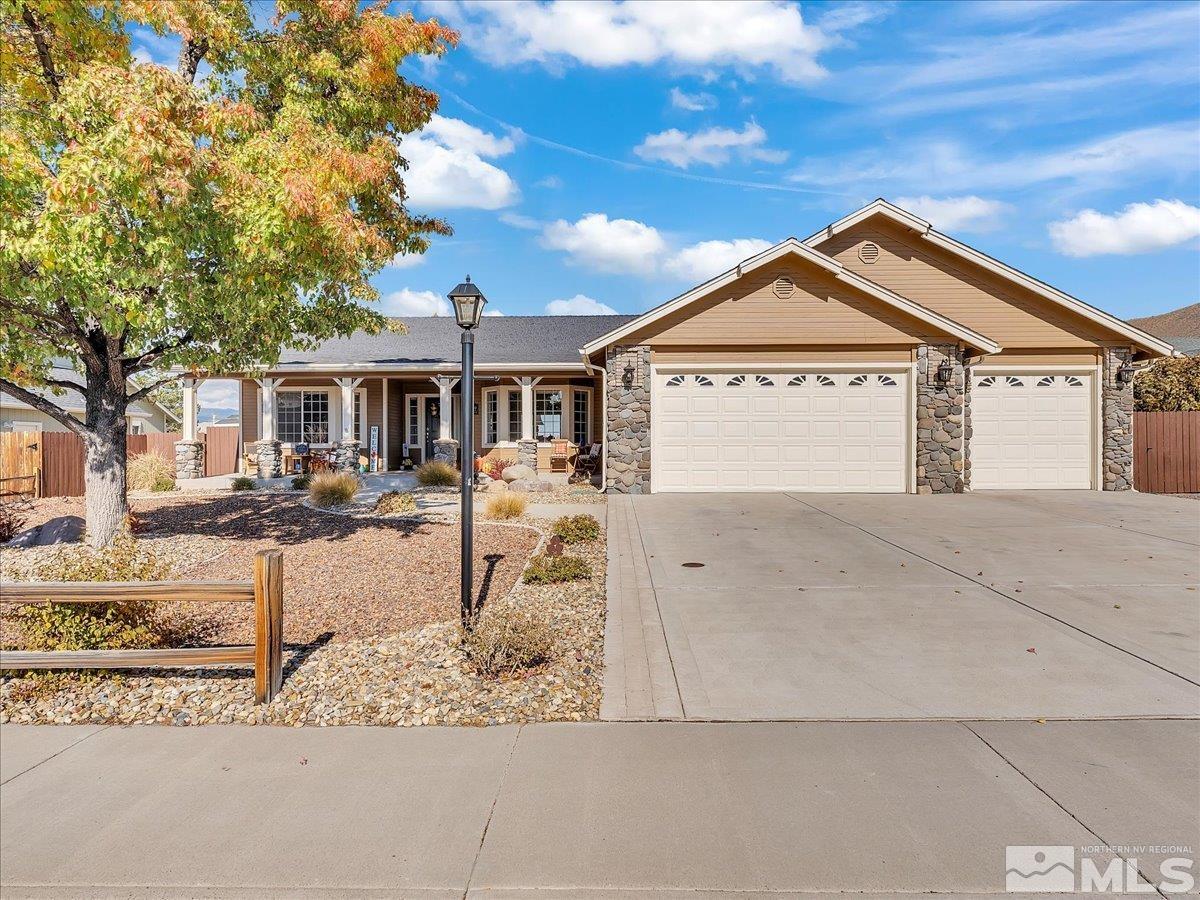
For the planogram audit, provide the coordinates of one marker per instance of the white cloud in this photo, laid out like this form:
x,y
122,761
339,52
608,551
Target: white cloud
x,y
516,220
218,394
492,312
753,35
712,146
552,182
1138,228
692,102
968,213
407,302
607,245
702,261
446,168
406,260
579,305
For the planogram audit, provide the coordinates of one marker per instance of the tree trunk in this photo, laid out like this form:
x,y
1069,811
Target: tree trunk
x,y
104,465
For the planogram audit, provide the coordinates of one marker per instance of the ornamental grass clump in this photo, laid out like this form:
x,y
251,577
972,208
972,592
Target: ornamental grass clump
x,y
242,483
505,506
546,569
576,529
332,489
301,482
393,502
437,474
507,640
150,472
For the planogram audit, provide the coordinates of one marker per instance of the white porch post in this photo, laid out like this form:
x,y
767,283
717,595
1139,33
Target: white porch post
x,y
445,405
267,426
383,438
527,384
189,408
348,385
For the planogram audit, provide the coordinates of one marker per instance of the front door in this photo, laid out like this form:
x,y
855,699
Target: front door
x,y
432,426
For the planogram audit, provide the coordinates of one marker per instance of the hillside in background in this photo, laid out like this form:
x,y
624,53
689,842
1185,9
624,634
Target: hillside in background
x,y
1182,322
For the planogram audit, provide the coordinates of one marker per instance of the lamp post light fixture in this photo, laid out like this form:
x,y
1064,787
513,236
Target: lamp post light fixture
x,y
468,303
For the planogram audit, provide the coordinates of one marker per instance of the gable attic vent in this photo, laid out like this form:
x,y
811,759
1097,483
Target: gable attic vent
x,y
784,287
868,252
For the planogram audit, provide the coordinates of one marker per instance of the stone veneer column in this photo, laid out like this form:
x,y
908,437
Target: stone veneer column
x,y
189,459
1116,400
446,450
345,456
627,381
941,461
527,454
270,459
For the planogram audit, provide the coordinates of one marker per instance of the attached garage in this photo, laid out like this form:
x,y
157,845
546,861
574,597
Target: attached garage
x,y
1032,430
742,430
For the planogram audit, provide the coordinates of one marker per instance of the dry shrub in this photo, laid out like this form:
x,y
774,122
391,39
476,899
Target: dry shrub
x,y
242,483
302,482
576,529
505,506
495,466
391,502
11,519
437,474
150,472
545,569
332,488
507,640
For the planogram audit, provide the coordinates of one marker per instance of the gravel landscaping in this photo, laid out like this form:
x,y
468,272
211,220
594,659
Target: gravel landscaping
x,y
370,623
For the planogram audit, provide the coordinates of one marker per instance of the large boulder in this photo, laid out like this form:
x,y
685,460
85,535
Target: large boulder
x,y
518,473
60,530
496,487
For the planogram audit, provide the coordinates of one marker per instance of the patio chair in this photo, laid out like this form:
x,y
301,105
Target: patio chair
x,y
560,453
587,465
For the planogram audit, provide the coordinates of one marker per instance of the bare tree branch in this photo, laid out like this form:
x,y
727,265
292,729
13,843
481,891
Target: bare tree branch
x,y
65,383
154,354
149,389
190,54
41,404
43,49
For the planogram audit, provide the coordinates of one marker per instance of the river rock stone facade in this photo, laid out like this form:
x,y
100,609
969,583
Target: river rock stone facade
x,y
941,454
627,381
446,451
1117,408
189,459
527,454
270,459
345,456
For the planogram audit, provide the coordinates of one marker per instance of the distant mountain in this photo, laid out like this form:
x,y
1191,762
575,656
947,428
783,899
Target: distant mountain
x,y
1182,322
209,414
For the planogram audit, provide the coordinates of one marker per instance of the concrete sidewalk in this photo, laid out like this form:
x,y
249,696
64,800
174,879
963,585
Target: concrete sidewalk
x,y
609,809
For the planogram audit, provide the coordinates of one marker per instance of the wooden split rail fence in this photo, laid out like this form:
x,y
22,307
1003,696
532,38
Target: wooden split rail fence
x,y
265,592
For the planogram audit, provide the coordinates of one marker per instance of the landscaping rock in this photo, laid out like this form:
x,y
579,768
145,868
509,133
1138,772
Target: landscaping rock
x,y
518,473
59,530
496,487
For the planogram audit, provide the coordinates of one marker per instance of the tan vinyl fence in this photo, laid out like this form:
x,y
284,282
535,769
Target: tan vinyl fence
x,y
1166,452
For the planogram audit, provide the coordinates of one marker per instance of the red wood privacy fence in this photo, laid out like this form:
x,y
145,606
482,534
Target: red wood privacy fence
x,y
220,450
1166,452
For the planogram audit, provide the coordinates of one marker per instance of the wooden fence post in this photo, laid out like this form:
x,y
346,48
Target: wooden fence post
x,y
268,621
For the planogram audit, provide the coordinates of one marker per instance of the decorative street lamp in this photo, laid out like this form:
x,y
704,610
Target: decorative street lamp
x,y
468,303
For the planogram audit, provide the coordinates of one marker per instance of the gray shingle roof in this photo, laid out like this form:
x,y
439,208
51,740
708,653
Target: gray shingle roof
x,y
433,340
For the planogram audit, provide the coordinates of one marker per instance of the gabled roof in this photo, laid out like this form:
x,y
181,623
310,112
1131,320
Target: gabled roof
x,y
795,247
926,231
72,400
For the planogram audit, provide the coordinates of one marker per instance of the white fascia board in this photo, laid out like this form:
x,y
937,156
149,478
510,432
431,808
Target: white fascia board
x,y
287,369
964,251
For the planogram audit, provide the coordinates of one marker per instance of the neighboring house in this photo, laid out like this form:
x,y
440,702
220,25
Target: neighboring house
x,y
1179,327
143,416
877,355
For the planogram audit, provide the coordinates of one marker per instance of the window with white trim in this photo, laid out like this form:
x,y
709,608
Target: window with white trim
x,y
514,415
547,415
414,421
581,405
360,402
491,416
302,416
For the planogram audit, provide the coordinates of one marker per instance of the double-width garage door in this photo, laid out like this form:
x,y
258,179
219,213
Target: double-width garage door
x,y
1031,430
780,431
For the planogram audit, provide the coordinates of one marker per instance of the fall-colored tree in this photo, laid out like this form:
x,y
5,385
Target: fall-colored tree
x,y
1168,385
203,215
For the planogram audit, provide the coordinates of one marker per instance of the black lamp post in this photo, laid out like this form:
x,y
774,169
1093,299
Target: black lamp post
x,y
468,303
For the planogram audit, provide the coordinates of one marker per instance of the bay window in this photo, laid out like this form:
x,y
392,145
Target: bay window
x,y
302,416
547,414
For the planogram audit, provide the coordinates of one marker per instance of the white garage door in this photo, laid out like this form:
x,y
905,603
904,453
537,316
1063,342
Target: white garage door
x,y
1031,431
779,431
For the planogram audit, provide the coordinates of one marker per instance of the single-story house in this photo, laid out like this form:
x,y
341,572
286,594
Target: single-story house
x,y
877,354
143,416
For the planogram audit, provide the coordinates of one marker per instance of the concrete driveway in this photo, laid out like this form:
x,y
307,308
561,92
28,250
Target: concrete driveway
x,y
974,606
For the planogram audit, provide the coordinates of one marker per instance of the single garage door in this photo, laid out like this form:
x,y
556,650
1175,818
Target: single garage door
x,y
779,431
1031,430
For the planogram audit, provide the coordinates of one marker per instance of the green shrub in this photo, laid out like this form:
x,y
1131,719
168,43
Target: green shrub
x,y
301,482
150,472
101,626
437,474
545,569
390,502
575,529
332,488
505,506
506,640
243,483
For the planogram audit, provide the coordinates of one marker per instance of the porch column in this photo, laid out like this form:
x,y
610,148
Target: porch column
x,y
346,455
383,437
189,452
527,445
268,453
445,448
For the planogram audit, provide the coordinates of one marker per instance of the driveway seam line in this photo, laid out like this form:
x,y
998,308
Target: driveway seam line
x,y
512,751
1057,803
658,609
55,755
997,592
1067,518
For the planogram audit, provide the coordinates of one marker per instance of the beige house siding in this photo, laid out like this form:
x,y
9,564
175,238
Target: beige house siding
x,y
1047,358
1009,314
819,311
682,356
